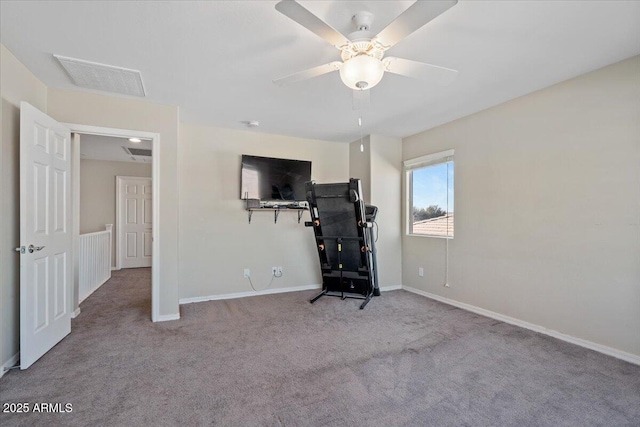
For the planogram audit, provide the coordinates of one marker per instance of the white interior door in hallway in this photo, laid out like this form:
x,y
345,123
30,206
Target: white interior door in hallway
x,y
45,233
134,221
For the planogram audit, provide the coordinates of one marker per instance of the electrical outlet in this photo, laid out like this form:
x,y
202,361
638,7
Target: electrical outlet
x,y
247,273
274,271
421,272
279,271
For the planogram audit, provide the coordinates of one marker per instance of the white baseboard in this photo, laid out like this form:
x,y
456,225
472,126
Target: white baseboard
x,y
9,363
619,354
248,294
75,313
267,292
168,317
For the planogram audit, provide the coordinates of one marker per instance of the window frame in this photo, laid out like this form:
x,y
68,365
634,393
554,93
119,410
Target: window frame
x,y
418,163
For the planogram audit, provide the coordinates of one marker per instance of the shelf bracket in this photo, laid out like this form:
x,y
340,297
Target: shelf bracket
x,y
299,215
276,212
249,213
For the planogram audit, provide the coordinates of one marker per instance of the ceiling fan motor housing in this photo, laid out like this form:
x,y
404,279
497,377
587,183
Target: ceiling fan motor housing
x,y
361,43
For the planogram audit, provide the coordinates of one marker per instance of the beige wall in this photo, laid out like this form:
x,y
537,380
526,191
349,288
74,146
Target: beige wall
x,y
386,183
360,165
98,193
547,195
379,168
132,114
16,84
216,240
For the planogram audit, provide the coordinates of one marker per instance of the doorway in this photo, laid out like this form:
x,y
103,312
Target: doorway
x,y
149,141
115,215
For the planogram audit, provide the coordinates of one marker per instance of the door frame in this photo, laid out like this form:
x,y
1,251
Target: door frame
x,y
155,179
119,179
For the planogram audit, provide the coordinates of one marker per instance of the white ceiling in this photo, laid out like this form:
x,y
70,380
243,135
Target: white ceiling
x,y
216,60
97,147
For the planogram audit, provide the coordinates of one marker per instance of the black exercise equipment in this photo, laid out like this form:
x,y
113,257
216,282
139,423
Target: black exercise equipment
x,y
345,240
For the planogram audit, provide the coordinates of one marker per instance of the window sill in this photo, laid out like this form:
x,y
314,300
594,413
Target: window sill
x,y
430,235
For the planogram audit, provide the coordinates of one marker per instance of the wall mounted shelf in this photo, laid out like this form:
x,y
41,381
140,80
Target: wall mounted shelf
x,y
276,212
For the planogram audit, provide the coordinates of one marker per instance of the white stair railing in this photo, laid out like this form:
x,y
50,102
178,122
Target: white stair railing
x,y
95,260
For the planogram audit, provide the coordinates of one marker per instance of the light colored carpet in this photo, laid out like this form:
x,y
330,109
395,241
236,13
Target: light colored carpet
x,y
279,361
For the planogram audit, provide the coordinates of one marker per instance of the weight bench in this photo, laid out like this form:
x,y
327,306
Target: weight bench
x,y
343,228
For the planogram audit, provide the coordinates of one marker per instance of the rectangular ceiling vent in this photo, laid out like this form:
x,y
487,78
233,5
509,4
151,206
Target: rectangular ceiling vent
x,y
103,77
138,151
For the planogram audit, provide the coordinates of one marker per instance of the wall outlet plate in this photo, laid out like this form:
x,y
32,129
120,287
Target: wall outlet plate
x,y
421,272
247,273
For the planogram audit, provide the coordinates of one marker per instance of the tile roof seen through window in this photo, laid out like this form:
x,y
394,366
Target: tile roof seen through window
x,y
440,226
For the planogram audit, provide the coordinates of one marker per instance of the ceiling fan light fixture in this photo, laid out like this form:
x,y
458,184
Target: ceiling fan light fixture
x,y
362,72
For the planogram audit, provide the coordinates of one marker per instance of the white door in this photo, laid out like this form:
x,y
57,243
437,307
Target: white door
x,y
135,212
45,234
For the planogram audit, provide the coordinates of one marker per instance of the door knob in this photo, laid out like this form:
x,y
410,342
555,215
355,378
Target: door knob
x,y
33,249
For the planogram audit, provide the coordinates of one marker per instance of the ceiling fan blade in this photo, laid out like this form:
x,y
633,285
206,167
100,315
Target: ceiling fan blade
x,y
416,16
302,16
310,73
361,99
406,67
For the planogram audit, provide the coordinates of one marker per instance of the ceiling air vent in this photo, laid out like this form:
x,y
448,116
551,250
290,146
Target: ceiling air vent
x,y
103,77
137,151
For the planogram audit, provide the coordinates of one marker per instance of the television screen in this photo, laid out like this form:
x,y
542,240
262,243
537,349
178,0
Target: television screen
x,y
266,178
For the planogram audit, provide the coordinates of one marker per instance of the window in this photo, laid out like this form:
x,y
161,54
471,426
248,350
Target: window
x,y
430,195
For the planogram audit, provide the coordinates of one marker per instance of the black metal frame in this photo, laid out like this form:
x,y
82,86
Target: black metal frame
x,y
347,196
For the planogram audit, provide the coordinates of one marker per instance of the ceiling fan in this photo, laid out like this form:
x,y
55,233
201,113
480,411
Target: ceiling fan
x,y
362,52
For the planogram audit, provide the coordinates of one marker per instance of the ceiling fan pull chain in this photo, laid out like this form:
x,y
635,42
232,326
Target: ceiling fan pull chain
x,y
361,142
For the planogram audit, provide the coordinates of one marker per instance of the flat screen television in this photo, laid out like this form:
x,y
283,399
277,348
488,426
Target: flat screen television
x,y
268,178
